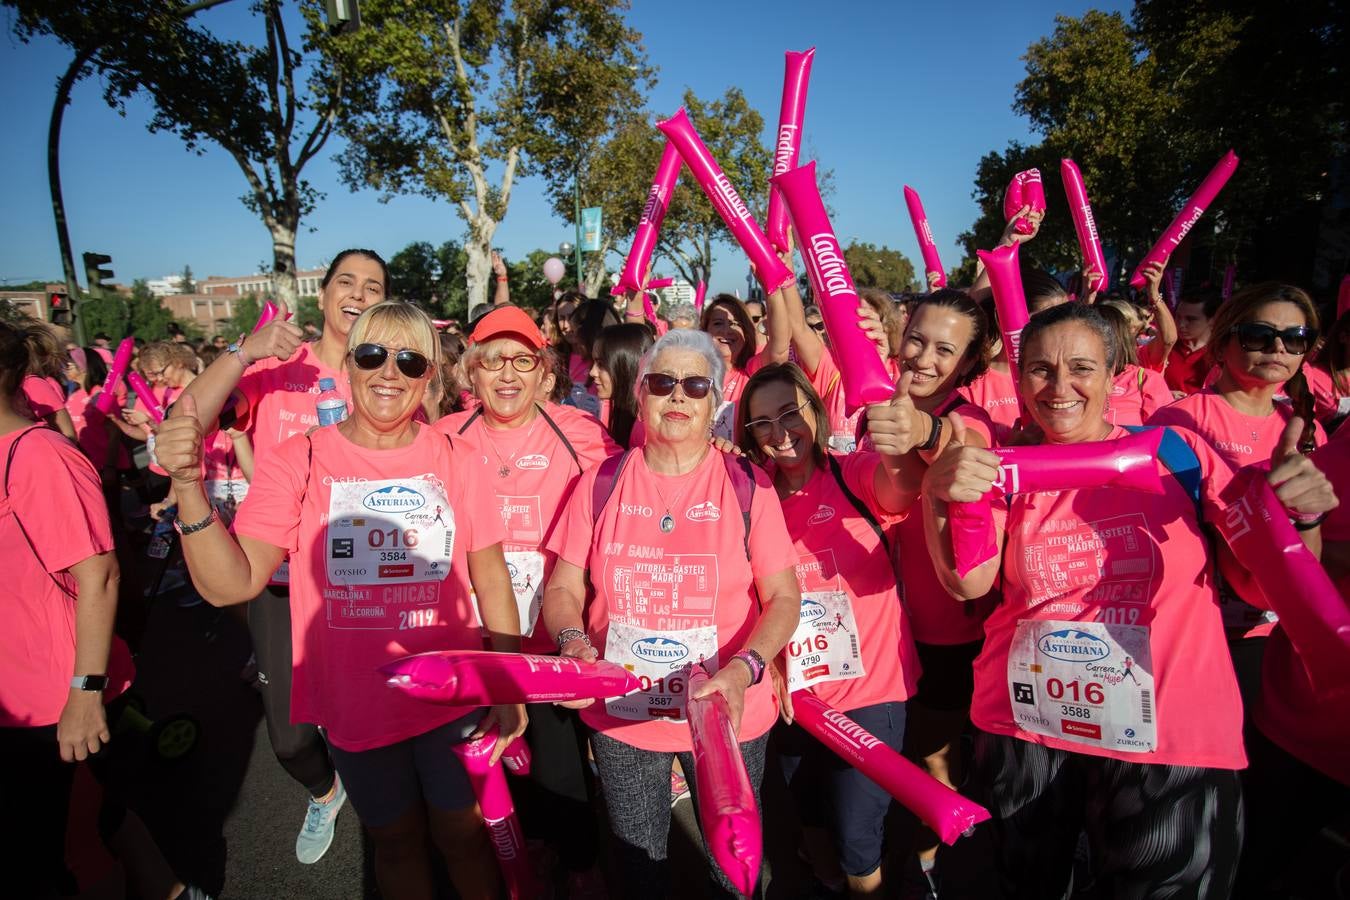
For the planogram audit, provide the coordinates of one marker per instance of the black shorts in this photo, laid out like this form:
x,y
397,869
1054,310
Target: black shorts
x,y
947,681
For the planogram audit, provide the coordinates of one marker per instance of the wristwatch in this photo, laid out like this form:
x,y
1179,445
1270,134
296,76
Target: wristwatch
x,y
933,435
90,682
236,350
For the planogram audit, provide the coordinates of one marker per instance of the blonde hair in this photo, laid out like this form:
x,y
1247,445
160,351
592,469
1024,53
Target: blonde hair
x,y
397,322
155,356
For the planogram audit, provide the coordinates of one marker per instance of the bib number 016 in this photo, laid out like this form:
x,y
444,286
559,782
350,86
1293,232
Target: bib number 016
x,y
394,537
1092,693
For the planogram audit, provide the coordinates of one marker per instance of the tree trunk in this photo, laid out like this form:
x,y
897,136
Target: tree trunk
x,y
478,268
287,286
595,271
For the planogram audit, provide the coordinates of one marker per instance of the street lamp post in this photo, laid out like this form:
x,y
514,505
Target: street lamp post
x,y
576,199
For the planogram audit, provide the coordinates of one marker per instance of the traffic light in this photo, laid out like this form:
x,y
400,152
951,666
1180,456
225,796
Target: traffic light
x,y
98,278
344,16
60,309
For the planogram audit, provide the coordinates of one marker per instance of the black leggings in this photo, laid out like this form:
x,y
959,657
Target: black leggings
x,y
300,748
557,803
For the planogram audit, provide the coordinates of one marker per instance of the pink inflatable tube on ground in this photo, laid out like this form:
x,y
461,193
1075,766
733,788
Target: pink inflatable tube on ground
x,y
729,205
700,293
1190,214
787,147
860,365
482,678
939,807
106,400
499,814
1084,224
1025,189
727,812
1010,302
923,232
1129,462
649,226
1312,611
143,393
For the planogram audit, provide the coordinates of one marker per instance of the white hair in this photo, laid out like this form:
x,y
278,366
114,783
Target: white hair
x,y
687,339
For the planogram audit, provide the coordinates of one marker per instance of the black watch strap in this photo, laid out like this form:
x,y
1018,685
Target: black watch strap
x,y
90,682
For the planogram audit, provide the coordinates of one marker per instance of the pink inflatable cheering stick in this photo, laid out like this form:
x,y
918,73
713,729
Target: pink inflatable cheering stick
x,y
499,814
657,283
729,205
1010,302
1025,189
105,401
269,312
649,226
860,365
517,758
483,678
647,309
727,812
939,807
700,292
923,232
147,398
1313,613
789,144
1084,225
1190,214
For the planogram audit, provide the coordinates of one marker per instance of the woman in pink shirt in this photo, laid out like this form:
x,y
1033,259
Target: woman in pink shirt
x,y
726,321
1136,391
385,545
674,554
1103,698
41,391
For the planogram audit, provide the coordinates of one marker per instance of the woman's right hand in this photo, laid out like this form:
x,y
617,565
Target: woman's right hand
x,y
961,474
178,443
277,338
578,649
1153,276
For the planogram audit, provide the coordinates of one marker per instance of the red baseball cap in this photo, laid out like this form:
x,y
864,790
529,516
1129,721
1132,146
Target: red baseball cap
x,y
508,321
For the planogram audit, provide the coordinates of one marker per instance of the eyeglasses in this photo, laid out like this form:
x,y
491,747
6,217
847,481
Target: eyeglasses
x,y
659,384
817,326
372,356
524,362
158,373
756,319
762,428
1257,337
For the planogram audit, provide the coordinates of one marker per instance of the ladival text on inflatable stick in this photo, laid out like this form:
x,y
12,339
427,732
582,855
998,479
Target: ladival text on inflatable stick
x,y
1084,224
483,678
147,398
769,268
499,815
939,807
1010,301
106,400
726,802
796,76
1190,214
1025,189
923,232
700,293
861,368
649,226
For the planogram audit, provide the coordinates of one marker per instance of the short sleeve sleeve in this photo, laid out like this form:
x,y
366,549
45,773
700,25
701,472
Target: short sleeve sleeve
x,y
271,511
771,548
44,396
571,537
56,494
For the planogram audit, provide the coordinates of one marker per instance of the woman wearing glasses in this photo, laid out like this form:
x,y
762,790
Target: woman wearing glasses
x,y
386,543
670,555
530,453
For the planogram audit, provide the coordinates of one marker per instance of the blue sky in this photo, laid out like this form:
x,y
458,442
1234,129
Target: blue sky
x,y
901,93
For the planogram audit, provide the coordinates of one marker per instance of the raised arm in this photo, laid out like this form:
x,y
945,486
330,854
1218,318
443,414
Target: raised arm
x,y
211,389
960,474
1153,355
503,293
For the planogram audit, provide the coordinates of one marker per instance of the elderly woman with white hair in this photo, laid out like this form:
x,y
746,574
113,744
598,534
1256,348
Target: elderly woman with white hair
x,y
672,554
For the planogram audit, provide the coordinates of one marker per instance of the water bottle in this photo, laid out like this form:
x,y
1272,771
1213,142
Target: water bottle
x,y
331,408
160,537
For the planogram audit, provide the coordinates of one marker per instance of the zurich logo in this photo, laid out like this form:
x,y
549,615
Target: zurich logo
x,y
1070,645
659,650
394,498
1129,732
811,610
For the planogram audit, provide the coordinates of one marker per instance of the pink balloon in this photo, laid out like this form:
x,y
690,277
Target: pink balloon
x,y
1190,214
1010,302
649,226
483,678
860,366
939,807
769,268
1084,224
147,398
107,399
1025,189
554,269
923,232
700,292
788,147
499,814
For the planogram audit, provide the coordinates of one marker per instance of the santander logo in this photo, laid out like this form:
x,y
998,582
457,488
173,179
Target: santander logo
x,y
704,512
533,461
822,515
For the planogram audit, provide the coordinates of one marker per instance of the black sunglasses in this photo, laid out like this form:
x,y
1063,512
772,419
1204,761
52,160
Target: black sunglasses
x,y
696,387
817,326
1257,337
372,356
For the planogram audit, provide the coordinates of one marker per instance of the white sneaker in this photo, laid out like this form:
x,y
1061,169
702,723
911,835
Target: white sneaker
x,y
320,823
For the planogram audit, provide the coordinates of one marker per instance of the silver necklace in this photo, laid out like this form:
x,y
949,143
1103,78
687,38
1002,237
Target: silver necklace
x,y
503,469
667,523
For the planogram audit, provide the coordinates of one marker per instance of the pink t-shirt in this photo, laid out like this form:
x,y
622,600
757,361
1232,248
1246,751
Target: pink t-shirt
x,y
1310,723
91,427
678,596
54,491
281,396
540,473
1136,394
995,393
367,531
1326,398
579,370
838,553
44,396
1109,597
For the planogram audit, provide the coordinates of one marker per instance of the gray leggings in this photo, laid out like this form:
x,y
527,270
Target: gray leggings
x,y
636,785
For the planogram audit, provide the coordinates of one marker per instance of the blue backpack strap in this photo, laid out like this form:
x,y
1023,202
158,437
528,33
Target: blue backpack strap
x,y
1180,460
606,477
743,485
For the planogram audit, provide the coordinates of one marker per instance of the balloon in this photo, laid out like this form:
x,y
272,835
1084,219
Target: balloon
x,y
1010,302
483,678
715,184
649,226
863,372
939,807
786,149
554,269
1190,214
1084,225
727,812
1025,189
499,814
700,292
143,393
924,233
105,401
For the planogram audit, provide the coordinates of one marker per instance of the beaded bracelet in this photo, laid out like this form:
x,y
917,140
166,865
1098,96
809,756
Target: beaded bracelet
x,y
754,662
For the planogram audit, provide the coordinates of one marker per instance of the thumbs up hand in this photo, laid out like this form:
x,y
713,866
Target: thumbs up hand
x,y
961,473
178,443
1300,485
897,427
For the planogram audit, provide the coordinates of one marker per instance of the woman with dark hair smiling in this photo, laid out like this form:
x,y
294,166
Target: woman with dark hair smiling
x,y
618,353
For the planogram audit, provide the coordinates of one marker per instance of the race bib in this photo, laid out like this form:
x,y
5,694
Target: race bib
x,y
526,568
389,531
825,645
724,423
1086,682
661,662
842,442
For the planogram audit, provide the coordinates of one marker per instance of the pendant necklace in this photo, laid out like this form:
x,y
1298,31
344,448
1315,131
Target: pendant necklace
x,y
503,467
667,523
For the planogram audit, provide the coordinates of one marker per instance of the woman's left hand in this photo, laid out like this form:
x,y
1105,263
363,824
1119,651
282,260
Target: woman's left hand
x,y
869,320
510,719
1301,486
731,682
725,445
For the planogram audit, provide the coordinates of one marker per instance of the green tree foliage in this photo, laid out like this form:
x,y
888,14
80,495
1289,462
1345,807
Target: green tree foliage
x,y
460,98
529,287
186,284
148,318
106,315
432,276
880,267
246,312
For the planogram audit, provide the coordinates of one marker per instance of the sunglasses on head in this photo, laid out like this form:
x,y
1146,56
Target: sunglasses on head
x,y
1258,337
696,387
372,356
